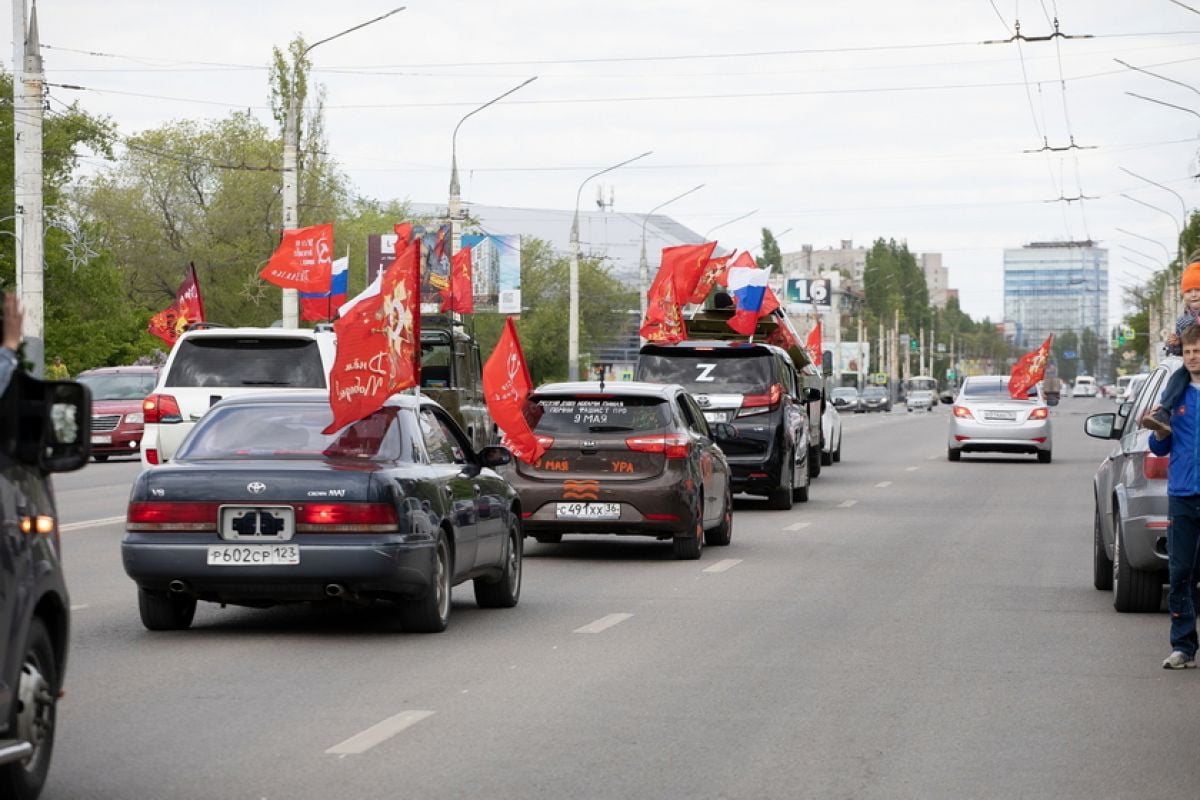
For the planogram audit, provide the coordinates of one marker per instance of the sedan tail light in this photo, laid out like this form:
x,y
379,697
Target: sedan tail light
x,y
671,445
962,412
761,403
147,516
346,518
1155,467
161,408
1039,413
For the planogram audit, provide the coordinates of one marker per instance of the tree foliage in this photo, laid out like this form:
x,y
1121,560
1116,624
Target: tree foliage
x,y
771,258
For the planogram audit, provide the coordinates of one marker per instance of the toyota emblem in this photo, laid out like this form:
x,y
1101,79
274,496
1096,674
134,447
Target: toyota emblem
x,y
703,401
256,487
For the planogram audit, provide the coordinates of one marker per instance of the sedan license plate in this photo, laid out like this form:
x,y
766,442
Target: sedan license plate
x,y
253,555
96,439
1000,415
714,416
239,523
588,511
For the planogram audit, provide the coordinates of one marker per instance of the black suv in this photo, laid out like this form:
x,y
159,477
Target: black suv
x,y
754,387
45,427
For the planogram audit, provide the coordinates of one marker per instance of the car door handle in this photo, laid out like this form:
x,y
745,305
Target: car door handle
x,y
449,490
478,489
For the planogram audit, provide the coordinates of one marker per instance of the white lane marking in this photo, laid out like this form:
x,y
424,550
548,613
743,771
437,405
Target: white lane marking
x,y
933,457
723,565
604,623
91,523
911,469
883,484
362,742
80,607
847,503
795,526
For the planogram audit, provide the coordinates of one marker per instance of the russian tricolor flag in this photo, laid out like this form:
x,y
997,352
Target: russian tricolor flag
x,y
320,305
748,285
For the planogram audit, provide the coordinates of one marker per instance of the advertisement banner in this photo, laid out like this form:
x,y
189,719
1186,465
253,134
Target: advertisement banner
x,y
496,260
435,261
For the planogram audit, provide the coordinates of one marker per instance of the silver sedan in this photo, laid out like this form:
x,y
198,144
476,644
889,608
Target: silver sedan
x,y
986,419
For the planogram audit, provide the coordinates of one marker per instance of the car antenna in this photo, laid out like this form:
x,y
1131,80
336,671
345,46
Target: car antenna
x,y
600,376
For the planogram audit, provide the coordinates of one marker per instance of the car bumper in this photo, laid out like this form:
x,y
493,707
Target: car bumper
x,y
638,509
363,565
970,435
118,442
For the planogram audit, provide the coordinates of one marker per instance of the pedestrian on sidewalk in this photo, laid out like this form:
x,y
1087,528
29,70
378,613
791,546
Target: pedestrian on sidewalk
x,y
1182,442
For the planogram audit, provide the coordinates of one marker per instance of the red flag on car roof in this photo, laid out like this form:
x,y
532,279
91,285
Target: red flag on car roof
x,y
714,275
664,318
461,295
686,264
401,292
1029,370
813,345
506,388
188,307
303,260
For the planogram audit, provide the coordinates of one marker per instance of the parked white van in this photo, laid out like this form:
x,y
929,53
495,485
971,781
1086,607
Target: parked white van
x,y
1085,386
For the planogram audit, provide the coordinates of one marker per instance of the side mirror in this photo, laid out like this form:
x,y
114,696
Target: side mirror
x,y
1125,408
495,455
812,395
67,438
723,430
1101,426
827,363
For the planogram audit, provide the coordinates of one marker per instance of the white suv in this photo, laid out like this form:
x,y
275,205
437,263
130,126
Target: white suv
x,y
212,363
1085,386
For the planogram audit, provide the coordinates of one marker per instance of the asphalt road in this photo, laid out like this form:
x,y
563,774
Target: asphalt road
x,y
919,629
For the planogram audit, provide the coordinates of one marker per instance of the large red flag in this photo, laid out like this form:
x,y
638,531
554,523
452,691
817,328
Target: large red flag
x,y
461,296
664,319
686,264
813,345
188,307
303,260
358,382
506,387
713,276
744,259
1029,370
401,292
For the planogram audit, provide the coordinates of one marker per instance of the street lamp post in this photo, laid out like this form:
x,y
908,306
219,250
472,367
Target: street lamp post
x,y
453,209
291,151
728,222
1148,239
643,265
573,280
1178,229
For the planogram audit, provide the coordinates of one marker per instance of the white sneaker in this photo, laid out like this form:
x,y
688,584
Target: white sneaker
x,y
1179,660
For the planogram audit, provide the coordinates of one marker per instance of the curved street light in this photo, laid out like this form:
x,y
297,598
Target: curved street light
x,y
643,265
573,280
1148,239
729,222
1178,230
291,151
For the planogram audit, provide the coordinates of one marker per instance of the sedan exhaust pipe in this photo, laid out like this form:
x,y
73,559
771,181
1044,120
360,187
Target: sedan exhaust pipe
x,y
177,586
335,590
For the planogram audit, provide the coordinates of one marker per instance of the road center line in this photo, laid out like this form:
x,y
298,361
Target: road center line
x,y
80,607
795,526
847,503
883,484
362,742
90,523
911,469
723,565
604,623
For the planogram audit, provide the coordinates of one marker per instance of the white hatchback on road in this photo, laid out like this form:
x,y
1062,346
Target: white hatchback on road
x,y
212,363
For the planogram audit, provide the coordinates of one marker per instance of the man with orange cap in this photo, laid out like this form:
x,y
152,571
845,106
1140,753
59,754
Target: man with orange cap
x,y
1189,286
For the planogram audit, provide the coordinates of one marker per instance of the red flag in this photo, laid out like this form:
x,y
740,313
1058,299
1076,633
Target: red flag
x,y
813,345
461,297
744,259
303,260
401,292
1029,370
713,276
664,319
403,231
358,382
187,308
686,263
506,387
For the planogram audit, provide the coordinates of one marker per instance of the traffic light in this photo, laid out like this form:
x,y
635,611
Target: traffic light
x,y
914,345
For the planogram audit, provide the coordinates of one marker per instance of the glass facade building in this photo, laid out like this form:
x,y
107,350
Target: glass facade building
x,y
1054,287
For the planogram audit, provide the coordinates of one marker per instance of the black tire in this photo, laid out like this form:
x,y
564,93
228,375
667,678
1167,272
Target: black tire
x,y
34,716
723,533
1135,591
1043,456
688,547
826,458
952,454
814,461
166,612
548,538
1102,565
837,454
505,591
780,498
100,457
431,613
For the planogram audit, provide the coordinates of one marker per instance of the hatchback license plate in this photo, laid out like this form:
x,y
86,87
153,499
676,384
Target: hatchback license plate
x,y
253,555
1004,415
588,511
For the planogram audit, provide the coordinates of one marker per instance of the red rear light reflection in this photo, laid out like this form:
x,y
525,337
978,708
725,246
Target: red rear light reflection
x,y
1155,467
761,403
346,518
545,441
152,457
146,516
1039,413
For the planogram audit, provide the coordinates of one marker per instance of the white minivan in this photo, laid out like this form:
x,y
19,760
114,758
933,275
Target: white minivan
x,y
1085,386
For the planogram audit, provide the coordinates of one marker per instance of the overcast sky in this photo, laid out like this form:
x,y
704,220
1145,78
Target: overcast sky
x,y
853,120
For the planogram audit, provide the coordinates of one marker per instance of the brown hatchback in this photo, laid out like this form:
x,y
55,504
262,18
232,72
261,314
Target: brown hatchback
x,y
625,458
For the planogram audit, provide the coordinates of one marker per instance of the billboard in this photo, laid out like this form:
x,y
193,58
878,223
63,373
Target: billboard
x,y
808,292
435,261
496,271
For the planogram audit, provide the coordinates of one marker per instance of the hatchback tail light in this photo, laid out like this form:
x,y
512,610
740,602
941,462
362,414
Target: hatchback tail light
x,y
145,516
161,408
1155,467
346,518
545,441
761,403
1039,413
671,445
962,412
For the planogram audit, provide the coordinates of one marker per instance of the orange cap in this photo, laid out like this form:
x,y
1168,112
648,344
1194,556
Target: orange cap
x,y
1191,277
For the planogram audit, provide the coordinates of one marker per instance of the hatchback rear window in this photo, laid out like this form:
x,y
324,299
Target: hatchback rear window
x,y
578,415
224,362
722,369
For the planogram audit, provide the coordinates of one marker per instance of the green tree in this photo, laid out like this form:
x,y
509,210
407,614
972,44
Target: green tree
x,y
771,259
1066,342
1089,351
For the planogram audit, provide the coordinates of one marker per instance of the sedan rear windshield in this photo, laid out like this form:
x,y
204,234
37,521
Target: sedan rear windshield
x,y
729,370
115,386
579,415
218,362
992,390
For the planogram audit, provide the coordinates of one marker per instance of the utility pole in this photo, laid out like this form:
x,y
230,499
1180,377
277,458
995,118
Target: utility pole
x,y
27,168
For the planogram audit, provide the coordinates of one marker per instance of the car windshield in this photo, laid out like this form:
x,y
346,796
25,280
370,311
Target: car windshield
x,y
731,370
117,386
222,362
293,431
993,389
874,391
565,415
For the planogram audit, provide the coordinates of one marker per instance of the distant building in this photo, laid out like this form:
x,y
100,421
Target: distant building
x,y
851,262
1053,287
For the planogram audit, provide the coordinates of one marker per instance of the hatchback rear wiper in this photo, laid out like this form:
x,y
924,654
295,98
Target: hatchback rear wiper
x,y
265,383
607,428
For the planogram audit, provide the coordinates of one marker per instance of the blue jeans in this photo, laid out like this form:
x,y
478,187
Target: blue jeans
x,y
1183,565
